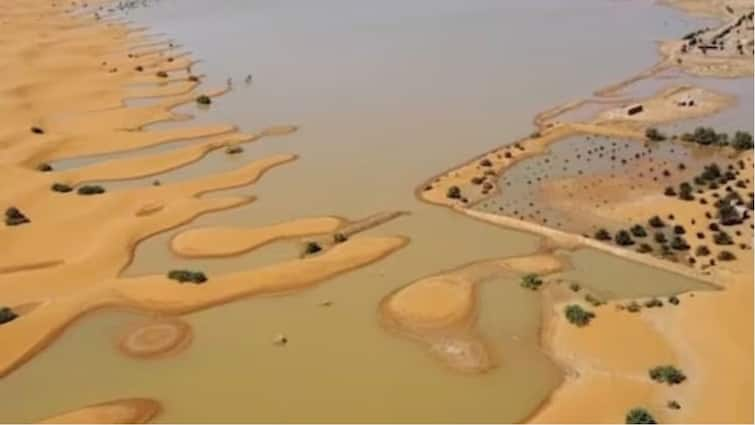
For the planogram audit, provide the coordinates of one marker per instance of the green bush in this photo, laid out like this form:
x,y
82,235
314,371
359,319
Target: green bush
x,y
653,134
162,74
639,415
679,244
575,287
595,302
728,214
203,99
660,237
623,238
638,231
183,276
653,302
44,167
667,374
14,217
722,238
673,300
602,235
61,187
726,256
453,192
633,307
578,316
312,247
7,315
742,140
656,222
90,190
531,281
702,251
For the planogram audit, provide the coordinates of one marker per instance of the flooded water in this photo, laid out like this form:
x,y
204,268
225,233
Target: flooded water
x,y
386,94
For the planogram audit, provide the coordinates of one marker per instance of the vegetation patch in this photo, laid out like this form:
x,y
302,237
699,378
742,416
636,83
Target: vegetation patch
x,y
667,374
44,167
578,316
653,134
312,247
639,415
184,276
203,99
14,217
7,315
90,189
531,281
453,192
61,187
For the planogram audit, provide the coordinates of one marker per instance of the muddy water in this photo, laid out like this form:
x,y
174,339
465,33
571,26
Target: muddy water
x,y
386,94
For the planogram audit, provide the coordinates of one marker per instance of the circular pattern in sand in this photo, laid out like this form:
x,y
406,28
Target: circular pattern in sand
x,y
158,338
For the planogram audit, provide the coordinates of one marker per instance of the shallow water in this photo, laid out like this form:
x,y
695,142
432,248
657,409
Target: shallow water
x,y
386,94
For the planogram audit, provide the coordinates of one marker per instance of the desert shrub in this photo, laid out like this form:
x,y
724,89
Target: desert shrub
x,y
728,215
233,150
673,404
726,256
633,307
453,192
594,301
660,237
339,238
44,167
312,247
653,134
477,180
623,238
14,217
685,192
669,191
644,248
711,172
653,302
722,238
138,68
742,140
162,74
679,229
639,415
486,162
578,316
673,300
531,281
702,251
638,231
183,276
61,187
667,374
203,99
575,287
656,222
193,78
37,130
7,315
90,190
679,244
602,235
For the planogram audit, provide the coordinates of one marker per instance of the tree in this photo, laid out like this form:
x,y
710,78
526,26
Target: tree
x,y
653,134
578,316
203,99
742,140
7,315
656,222
531,281
312,247
639,415
183,276
602,235
667,374
638,231
453,192
623,238
90,190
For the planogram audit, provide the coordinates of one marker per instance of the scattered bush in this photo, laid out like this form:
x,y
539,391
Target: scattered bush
x,y
679,229
531,281
61,187
667,374
340,238
162,74
685,192
722,238
674,405
633,307
311,248
233,150
638,231
7,315
653,302
702,251
575,287
44,167
669,191
477,180
578,316
644,248
742,140
639,415
660,237
37,130
653,134
14,217
726,256
679,244
656,222
183,276
203,99
602,235
453,192
623,238
673,300
728,214
90,190
193,78
486,163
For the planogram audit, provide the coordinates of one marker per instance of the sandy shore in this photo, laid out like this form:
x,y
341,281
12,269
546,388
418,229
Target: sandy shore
x,y
603,379
64,98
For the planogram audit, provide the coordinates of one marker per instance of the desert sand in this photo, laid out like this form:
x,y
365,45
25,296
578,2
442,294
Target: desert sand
x,y
126,411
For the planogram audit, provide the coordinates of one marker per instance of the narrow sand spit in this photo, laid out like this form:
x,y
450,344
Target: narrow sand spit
x,y
64,98
126,411
440,311
606,363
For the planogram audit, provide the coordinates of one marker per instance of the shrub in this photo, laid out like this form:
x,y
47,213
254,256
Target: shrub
x,y
653,134
711,172
477,180
673,404
602,235
162,74
183,276
653,302
90,190
667,374
679,244
14,217
312,247
685,192
722,238
673,300
633,307
578,316
728,215
638,231
339,238
61,187
453,192
593,300
679,229
726,256
669,191
233,150
644,248
660,237
639,415
37,130
623,238
742,140
7,315
702,251
486,162
656,222
531,281
203,99
193,78
44,167
575,287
